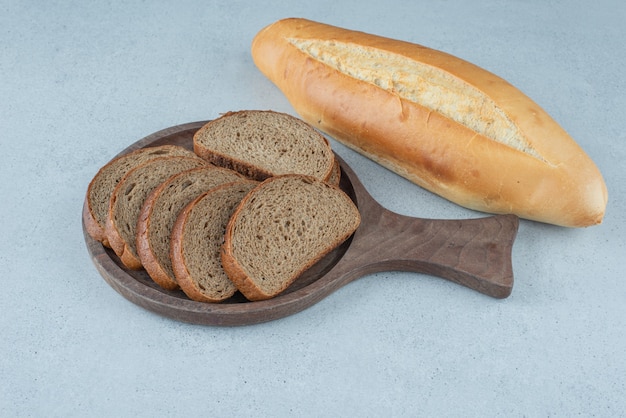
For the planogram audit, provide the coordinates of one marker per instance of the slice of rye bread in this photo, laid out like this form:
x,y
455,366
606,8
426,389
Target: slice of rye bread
x,y
197,237
159,213
261,144
280,229
96,207
335,176
127,200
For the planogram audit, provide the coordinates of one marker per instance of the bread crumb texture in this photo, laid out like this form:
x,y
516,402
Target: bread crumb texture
x,y
132,191
422,84
202,237
287,224
274,142
173,195
109,176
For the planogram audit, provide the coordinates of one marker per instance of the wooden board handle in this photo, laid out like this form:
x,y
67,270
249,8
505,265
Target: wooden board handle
x,y
475,253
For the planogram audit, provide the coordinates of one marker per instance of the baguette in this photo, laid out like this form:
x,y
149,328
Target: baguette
x,y
445,124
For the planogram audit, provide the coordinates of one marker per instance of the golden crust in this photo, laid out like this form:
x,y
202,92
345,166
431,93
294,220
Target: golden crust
x,y
563,186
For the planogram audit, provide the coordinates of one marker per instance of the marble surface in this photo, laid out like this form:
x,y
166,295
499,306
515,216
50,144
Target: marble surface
x,y
80,81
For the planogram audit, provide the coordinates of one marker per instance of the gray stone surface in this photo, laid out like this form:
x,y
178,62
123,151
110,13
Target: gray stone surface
x,y
80,81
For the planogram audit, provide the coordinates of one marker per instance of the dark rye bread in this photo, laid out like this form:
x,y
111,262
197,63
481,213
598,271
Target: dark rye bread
x,y
196,240
128,197
280,229
160,210
261,144
335,176
96,207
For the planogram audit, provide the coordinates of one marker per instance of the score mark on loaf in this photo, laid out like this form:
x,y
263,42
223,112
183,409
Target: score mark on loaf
x,y
445,124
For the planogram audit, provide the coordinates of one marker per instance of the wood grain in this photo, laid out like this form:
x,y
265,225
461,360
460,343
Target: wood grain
x,y
475,253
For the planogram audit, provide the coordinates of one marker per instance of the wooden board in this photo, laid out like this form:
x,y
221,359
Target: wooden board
x,y
475,253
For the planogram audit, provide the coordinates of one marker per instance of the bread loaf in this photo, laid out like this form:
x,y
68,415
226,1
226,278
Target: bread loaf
x,y
160,210
261,144
197,237
101,187
128,198
443,123
280,229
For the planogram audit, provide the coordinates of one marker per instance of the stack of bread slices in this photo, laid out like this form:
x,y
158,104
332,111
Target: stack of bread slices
x,y
253,206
